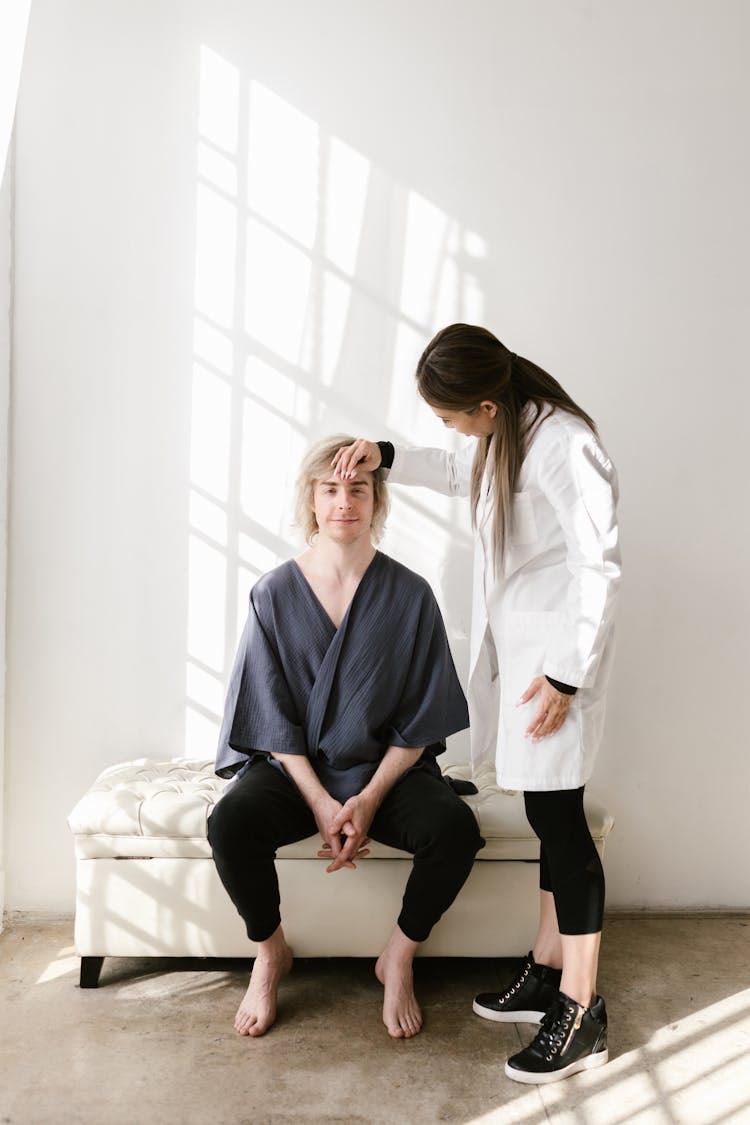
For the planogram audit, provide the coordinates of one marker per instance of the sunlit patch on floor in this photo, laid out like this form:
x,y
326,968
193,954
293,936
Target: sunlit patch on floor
x,y
65,962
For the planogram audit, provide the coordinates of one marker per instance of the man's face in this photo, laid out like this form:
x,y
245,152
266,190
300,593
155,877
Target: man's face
x,y
344,509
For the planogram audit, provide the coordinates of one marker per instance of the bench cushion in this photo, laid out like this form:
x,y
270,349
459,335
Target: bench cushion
x,y
149,808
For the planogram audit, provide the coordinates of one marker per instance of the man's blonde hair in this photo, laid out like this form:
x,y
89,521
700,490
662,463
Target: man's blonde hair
x,y
315,466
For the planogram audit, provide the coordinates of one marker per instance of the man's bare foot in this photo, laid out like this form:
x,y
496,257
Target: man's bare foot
x,y
402,1015
257,1011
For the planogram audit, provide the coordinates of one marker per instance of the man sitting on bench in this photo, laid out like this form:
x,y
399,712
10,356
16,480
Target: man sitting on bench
x,y
342,695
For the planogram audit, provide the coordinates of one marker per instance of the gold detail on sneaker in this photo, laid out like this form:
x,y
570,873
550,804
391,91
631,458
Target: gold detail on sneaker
x,y
576,1024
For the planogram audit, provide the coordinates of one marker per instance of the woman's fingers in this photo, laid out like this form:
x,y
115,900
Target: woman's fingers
x,y
549,725
346,460
551,712
532,689
361,454
546,722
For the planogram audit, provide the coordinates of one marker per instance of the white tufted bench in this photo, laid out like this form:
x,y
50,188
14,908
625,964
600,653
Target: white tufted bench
x,y
147,885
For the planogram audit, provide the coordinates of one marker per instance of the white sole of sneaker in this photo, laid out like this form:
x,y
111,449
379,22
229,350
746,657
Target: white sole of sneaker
x,y
507,1017
588,1062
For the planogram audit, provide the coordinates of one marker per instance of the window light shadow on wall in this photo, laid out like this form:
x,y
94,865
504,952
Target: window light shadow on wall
x,y
318,281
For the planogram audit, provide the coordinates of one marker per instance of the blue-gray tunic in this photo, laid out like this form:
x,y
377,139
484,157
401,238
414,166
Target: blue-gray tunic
x,y
341,696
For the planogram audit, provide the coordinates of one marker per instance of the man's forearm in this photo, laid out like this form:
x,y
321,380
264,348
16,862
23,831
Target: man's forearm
x,y
394,764
304,777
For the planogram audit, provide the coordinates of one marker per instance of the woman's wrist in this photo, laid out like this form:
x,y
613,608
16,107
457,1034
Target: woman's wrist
x,y
564,689
387,453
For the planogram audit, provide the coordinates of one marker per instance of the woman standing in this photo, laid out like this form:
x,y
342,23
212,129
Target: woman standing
x,y
543,497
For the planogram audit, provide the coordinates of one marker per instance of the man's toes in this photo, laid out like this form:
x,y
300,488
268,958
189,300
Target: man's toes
x,y
243,1022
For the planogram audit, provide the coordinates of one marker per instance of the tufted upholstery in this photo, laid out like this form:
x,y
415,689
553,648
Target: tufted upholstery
x,y
147,808
159,809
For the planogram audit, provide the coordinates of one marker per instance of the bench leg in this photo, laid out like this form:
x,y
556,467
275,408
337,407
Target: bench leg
x,y
90,969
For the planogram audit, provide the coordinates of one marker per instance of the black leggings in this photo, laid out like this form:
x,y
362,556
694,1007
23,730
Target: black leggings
x,y
569,864
264,810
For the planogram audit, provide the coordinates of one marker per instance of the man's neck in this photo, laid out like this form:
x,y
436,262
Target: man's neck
x,y
340,561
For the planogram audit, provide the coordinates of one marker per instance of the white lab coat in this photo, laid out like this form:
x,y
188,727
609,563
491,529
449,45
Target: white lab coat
x,y
549,610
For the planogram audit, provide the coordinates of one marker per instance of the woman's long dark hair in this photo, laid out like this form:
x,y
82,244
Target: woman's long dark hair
x,y
465,365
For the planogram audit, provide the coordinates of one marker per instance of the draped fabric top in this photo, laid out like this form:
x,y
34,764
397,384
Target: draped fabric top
x,y
341,696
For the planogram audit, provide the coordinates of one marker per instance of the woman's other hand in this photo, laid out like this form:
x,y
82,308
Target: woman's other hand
x,y
361,454
552,708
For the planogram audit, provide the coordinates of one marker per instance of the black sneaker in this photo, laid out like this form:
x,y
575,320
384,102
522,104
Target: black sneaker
x,y
571,1038
526,997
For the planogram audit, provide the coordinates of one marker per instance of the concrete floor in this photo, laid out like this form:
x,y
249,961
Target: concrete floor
x,y
154,1044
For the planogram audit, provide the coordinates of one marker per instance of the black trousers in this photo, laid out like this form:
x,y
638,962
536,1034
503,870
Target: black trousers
x,y
569,864
264,810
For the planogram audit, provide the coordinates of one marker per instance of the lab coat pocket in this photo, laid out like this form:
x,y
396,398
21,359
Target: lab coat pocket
x,y
556,758
523,529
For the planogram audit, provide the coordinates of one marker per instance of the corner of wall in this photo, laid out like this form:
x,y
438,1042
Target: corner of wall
x,y
6,359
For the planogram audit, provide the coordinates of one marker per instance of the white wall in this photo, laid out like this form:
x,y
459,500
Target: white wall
x,y
5,350
13,24
235,230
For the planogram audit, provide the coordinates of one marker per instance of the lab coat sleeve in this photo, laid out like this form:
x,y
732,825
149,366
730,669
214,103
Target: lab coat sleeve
x,y
580,483
438,469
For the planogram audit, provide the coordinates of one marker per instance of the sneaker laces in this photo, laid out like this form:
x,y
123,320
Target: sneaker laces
x,y
518,981
557,1028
